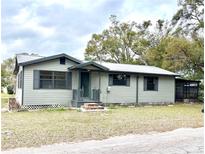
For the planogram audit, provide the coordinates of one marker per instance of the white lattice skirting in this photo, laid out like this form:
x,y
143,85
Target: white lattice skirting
x,y
34,107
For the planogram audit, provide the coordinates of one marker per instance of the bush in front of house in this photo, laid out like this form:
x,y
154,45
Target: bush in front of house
x,y
10,89
201,92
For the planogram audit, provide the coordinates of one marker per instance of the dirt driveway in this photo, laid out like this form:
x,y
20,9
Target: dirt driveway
x,y
180,141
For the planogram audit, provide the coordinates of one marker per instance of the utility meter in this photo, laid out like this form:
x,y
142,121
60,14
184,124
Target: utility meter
x,y
108,89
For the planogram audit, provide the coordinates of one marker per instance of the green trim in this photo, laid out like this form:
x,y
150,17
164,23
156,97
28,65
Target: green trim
x,y
79,79
144,73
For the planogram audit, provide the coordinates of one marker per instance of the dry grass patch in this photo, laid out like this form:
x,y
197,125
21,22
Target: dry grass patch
x,y
25,129
4,100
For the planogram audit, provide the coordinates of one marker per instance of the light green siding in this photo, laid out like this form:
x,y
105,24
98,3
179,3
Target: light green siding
x,y
94,80
47,96
165,93
127,94
75,79
118,94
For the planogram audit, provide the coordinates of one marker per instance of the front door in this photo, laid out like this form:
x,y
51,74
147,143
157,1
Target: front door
x,y
85,83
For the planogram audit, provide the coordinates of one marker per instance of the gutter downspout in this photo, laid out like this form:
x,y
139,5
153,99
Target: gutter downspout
x,y
136,90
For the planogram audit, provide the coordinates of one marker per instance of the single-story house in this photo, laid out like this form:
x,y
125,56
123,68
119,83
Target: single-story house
x,y
64,80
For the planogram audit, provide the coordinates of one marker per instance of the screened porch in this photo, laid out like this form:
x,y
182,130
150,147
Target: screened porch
x,y
186,90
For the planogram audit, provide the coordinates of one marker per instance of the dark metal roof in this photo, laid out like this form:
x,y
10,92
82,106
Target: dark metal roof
x,y
50,58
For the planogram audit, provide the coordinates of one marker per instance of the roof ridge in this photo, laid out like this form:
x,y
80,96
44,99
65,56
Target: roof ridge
x,y
40,59
32,55
126,64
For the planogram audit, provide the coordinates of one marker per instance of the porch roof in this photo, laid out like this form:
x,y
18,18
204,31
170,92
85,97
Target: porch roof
x,y
91,63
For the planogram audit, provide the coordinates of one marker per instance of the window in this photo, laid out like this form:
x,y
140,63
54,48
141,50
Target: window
x,y
46,79
20,80
59,80
119,80
52,80
62,60
150,83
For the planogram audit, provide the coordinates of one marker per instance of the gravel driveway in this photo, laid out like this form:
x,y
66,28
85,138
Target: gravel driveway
x,y
180,141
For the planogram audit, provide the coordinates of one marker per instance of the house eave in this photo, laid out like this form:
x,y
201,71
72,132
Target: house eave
x,y
81,66
44,59
144,73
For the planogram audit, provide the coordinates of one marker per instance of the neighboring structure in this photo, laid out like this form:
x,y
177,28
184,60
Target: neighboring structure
x,y
64,80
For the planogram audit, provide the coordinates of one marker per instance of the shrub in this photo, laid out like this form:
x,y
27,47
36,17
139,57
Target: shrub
x,y
201,92
10,89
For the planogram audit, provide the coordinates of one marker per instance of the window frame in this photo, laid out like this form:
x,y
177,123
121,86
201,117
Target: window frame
x,y
127,79
155,80
54,80
47,79
53,86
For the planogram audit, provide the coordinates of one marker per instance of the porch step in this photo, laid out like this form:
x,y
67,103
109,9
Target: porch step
x,y
92,107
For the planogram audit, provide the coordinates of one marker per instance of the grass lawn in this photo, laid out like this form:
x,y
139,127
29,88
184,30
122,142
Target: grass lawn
x,y
25,129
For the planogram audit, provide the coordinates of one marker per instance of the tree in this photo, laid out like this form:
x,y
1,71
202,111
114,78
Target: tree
x,y
179,55
126,42
175,45
121,43
189,19
7,77
189,23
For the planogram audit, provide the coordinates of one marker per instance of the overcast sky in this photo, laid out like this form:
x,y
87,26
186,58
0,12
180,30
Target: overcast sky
x,y
50,27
